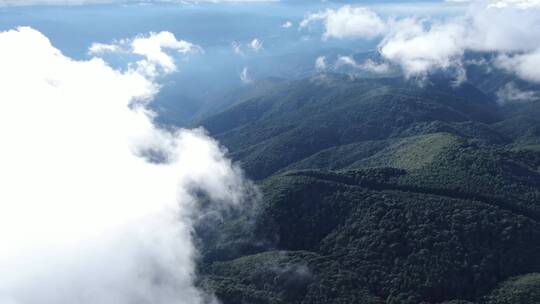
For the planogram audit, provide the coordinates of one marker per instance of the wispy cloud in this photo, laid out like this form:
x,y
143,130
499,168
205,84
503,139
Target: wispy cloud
x,y
510,93
320,63
244,76
237,48
368,66
256,45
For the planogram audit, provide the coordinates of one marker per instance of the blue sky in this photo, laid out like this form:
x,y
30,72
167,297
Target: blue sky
x,y
418,37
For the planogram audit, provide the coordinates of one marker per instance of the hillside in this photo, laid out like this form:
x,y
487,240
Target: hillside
x,y
379,191
360,231
300,118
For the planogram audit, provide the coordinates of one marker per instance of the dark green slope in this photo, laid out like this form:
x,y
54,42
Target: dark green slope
x,y
270,132
219,103
523,289
380,191
457,166
363,238
523,124
442,224
286,277
489,79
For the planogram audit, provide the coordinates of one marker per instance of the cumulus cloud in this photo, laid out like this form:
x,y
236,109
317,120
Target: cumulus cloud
x,y
88,213
347,22
525,65
152,47
422,45
516,30
418,48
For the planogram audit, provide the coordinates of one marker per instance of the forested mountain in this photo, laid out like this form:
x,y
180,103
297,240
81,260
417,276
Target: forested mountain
x,y
379,190
300,118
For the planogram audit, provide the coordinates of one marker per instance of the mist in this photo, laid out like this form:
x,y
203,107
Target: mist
x,y
97,202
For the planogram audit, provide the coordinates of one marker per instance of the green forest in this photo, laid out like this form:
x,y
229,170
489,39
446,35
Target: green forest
x,y
378,191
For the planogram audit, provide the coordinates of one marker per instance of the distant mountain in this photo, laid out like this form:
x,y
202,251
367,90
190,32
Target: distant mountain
x,y
299,118
522,123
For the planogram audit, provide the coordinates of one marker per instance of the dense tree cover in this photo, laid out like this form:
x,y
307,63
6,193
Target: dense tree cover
x,y
522,124
523,289
399,246
379,191
272,131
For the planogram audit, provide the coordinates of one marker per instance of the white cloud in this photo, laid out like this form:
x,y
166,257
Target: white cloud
x,y
256,45
101,48
516,30
346,60
152,47
320,63
419,48
525,65
347,22
244,76
521,4
84,217
510,93
421,45
237,48
368,66
374,67
287,25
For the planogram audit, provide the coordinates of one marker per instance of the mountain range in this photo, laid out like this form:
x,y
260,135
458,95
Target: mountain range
x,y
379,190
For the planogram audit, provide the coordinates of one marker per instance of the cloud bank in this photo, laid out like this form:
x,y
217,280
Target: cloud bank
x,y
421,45
98,203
